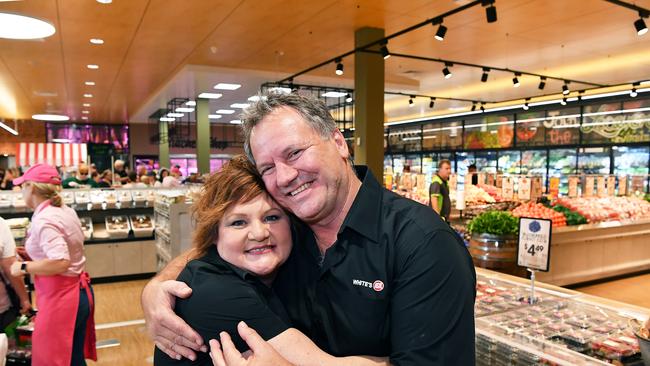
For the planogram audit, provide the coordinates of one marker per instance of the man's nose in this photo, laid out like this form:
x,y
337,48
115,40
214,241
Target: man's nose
x,y
285,174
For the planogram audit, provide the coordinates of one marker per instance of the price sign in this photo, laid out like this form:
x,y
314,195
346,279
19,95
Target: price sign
x,y
523,189
536,190
388,181
481,178
588,191
507,188
469,178
491,179
600,186
622,185
573,186
554,186
534,248
419,182
453,182
637,183
611,185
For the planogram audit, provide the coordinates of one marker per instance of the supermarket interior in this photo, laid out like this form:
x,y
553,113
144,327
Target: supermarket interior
x,y
525,124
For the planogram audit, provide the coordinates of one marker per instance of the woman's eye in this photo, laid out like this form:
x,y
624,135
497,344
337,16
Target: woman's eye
x,y
272,218
237,223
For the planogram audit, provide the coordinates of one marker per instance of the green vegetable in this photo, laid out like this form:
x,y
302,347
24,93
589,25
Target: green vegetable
x,y
495,223
572,218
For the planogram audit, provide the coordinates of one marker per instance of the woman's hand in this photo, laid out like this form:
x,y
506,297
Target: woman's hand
x,y
15,269
25,307
261,353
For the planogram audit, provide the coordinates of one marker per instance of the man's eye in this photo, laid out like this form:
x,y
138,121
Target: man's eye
x,y
266,171
295,153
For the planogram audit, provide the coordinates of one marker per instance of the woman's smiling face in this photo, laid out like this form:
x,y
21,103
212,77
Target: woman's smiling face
x,y
255,236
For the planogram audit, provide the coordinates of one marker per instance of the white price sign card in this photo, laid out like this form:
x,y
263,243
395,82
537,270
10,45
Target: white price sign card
x,y
573,187
589,187
507,190
611,185
534,248
600,186
523,188
622,185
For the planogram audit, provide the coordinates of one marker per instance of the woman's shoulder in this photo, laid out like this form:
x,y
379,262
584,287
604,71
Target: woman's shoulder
x,y
207,277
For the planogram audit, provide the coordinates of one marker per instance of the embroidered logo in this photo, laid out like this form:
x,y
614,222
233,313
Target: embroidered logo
x,y
377,285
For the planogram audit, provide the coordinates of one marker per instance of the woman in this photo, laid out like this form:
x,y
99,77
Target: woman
x,y
9,313
241,239
105,179
64,331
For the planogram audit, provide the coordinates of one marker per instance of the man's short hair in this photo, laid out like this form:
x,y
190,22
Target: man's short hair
x,y
314,112
118,162
443,162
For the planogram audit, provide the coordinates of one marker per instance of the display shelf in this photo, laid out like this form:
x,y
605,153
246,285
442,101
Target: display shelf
x,y
173,227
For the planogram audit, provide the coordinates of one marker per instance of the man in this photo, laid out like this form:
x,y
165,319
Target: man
x,y
81,179
371,273
473,172
439,190
120,175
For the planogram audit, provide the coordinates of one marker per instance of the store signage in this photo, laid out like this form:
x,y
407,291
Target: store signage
x,y
554,186
507,188
481,178
622,185
534,248
536,190
388,181
588,191
637,183
420,182
600,186
490,179
523,188
453,182
624,127
573,186
611,185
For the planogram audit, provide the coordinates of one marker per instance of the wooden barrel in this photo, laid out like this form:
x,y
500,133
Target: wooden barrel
x,y
496,252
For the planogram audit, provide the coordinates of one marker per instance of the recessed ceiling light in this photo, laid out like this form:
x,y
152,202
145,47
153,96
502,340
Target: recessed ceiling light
x,y
280,90
236,122
50,117
104,1
227,86
86,104
225,111
85,112
184,110
84,118
14,26
88,95
90,83
210,95
92,66
214,116
96,41
256,98
239,105
333,94
62,141
166,119
172,114
190,103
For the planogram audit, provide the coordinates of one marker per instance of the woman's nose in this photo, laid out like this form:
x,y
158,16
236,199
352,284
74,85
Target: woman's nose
x,y
258,231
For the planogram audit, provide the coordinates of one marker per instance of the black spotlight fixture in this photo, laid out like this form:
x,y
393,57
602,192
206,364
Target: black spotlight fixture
x,y
440,33
482,107
432,101
411,101
490,11
565,88
446,71
639,24
339,67
348,98
633,92
473,106
384,50
515,80
526,107
542,83
484,77
563,101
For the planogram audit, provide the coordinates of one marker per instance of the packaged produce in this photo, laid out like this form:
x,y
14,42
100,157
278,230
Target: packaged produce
x,y
613,350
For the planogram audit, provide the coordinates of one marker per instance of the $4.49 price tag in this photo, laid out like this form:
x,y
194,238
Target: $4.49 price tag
x,y
534,249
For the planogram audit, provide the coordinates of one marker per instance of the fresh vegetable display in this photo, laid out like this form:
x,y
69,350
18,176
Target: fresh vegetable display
x,y
495,223
572,218
539,211
601,209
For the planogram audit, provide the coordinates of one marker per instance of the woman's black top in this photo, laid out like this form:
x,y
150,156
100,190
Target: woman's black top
x,y
222,296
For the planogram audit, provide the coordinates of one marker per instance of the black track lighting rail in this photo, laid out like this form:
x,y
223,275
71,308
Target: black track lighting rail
x,y
385,40
644,13
411,95
491,68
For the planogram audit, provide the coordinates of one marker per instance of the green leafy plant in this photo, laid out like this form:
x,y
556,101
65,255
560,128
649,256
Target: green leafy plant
x,y
495,223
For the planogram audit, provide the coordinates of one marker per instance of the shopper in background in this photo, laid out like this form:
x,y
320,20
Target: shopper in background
x,y
173,180
141,170
132,181
7,181
9,313
164,172
105,179
93,168
81,179
121,175
64,331
374,273
439,190
473,172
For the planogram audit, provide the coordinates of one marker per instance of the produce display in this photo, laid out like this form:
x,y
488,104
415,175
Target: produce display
x,y
495,223
608,208
493,191
572,218
475,194
539,211
142,225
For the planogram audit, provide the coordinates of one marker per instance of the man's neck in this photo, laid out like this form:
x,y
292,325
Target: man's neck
x,y
327,232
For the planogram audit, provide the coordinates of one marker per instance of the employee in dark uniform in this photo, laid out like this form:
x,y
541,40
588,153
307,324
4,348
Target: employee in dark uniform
x,y
242,237
374,273
439,190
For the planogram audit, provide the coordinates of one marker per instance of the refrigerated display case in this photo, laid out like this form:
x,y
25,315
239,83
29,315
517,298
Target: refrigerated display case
x,y
398,164
561,163
509,162
486,161
414,162
533,162
594,160
631,160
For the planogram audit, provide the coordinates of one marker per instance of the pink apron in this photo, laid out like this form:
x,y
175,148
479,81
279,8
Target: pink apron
x,y
58,302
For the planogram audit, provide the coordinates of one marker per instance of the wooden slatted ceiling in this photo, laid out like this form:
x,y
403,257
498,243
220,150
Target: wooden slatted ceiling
x,y
148,41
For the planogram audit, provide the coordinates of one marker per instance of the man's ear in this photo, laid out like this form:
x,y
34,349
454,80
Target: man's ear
x,y
341,145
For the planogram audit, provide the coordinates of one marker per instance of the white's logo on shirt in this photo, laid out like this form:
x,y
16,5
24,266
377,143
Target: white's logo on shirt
x,y
377,285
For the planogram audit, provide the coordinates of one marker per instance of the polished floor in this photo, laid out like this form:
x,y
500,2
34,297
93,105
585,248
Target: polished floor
x,y
119,317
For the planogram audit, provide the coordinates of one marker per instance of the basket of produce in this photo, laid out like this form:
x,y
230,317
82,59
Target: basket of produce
x,y
493,242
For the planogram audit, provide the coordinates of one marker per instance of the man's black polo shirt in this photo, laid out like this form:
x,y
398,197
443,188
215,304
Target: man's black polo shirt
x,y
222,296
398,282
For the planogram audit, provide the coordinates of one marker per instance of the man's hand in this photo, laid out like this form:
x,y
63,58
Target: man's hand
x,y
25,307
170,333
261,353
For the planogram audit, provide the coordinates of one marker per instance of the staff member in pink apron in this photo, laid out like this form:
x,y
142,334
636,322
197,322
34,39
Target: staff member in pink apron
x,y
64,333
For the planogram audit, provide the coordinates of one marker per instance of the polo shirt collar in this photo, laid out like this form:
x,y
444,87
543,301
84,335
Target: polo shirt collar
x,y
365,213
213,257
